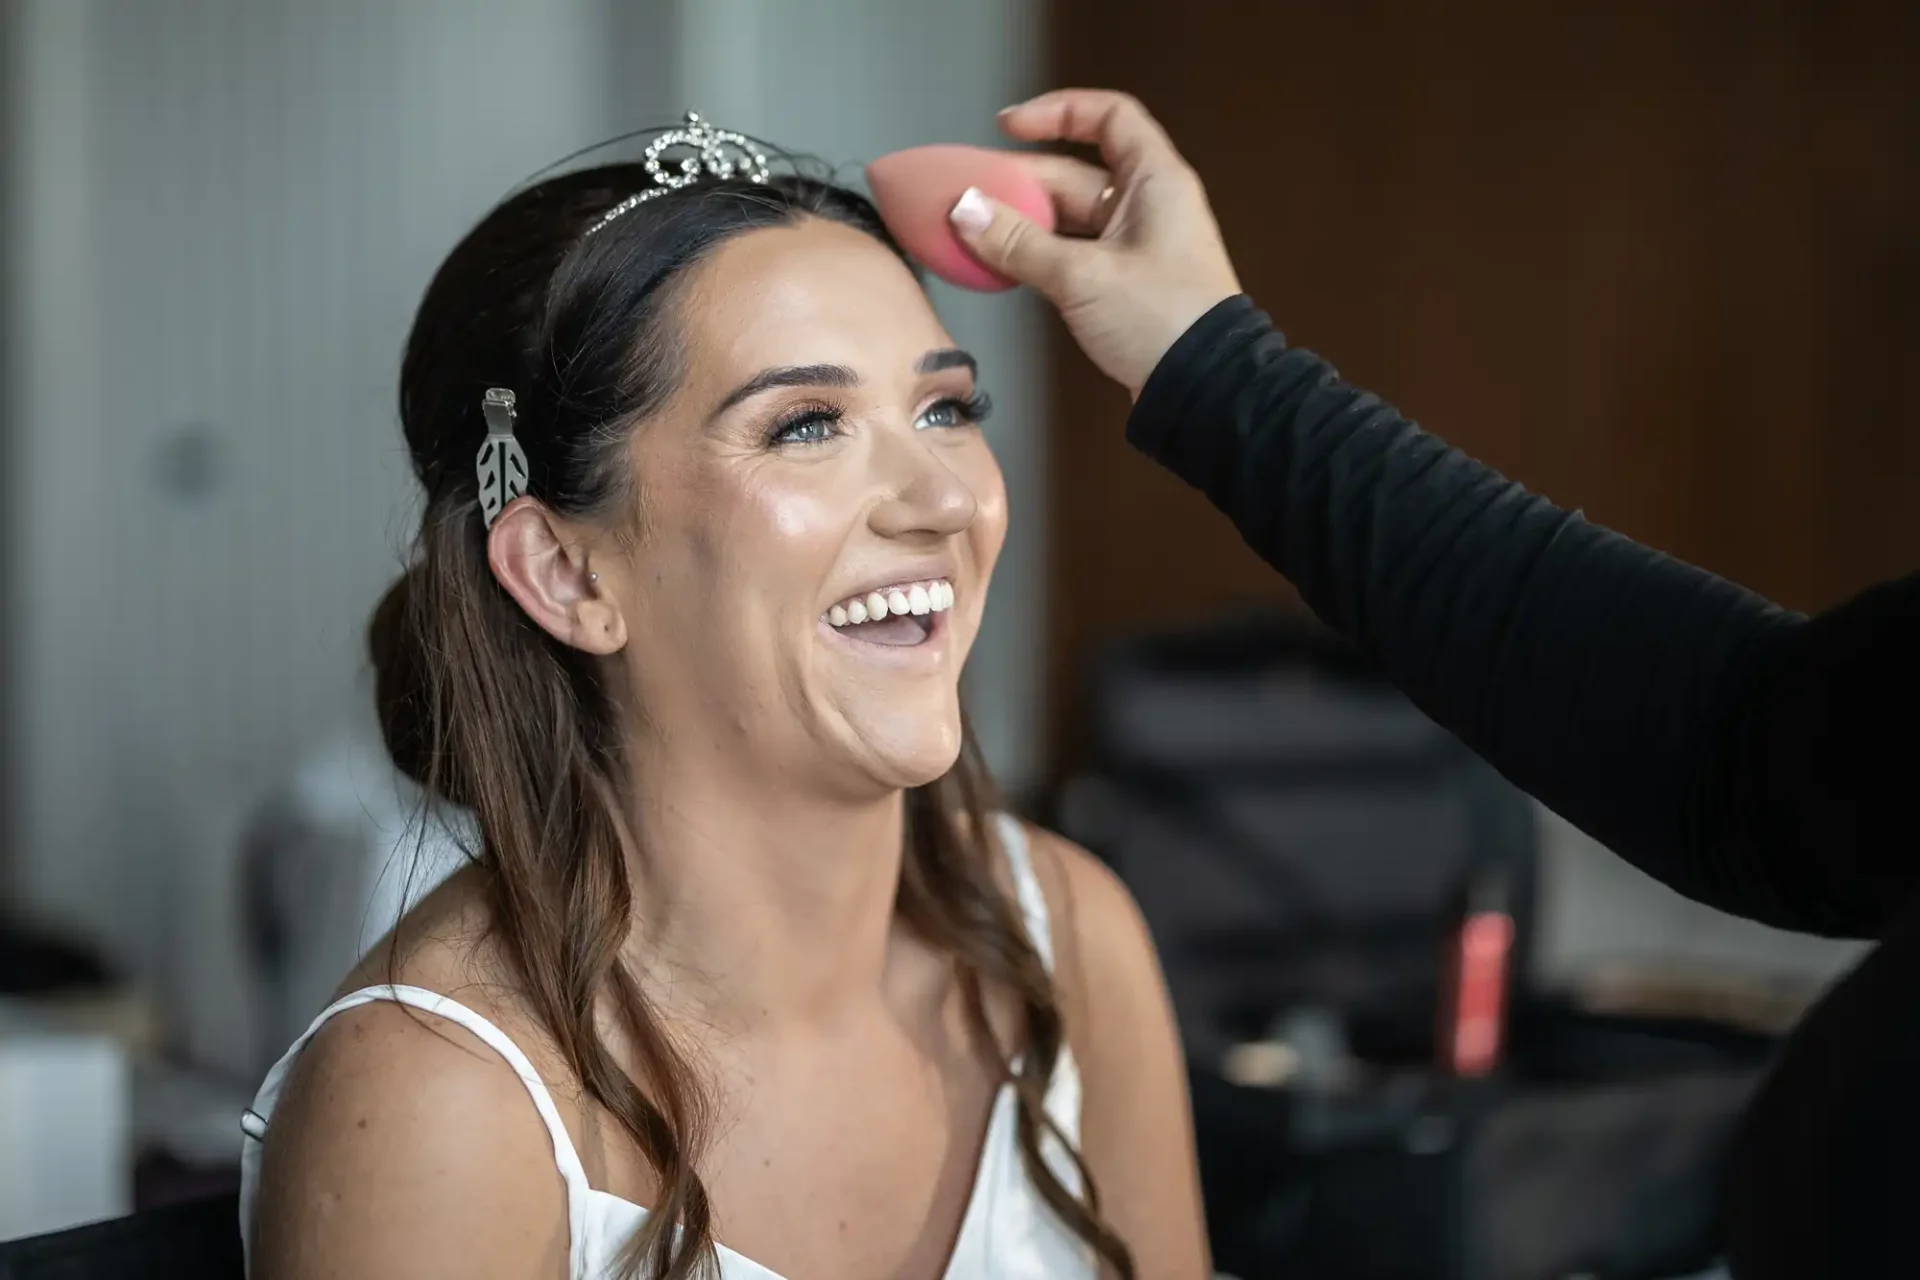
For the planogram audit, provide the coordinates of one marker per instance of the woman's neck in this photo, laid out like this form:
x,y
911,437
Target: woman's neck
x,y
759,904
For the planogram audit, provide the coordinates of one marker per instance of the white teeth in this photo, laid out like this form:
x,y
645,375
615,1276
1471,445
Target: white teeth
x,y
917,598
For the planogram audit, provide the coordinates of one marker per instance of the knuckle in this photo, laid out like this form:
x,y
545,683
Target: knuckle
x,y
1013,237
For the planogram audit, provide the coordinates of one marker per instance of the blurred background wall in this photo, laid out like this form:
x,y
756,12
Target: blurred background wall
x,y
227,212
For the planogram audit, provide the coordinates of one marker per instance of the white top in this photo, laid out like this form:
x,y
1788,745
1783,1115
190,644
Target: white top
x,y
1008,1232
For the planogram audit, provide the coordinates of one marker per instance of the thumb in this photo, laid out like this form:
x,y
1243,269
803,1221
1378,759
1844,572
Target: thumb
x,y
1010,243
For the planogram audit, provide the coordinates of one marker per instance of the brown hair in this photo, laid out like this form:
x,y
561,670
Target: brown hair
x,y
488,712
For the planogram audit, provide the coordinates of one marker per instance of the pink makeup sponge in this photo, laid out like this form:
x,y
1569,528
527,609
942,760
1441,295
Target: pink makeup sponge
x,y
914,190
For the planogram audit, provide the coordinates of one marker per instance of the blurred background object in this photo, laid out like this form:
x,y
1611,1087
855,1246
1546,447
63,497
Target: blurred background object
x,y
63,1125
1659,262
1387,1083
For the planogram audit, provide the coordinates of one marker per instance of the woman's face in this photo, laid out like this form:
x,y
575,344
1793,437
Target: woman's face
x,y
819,461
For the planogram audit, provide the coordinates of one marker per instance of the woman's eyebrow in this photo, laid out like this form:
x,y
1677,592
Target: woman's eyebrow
x,y
793,375
947,358
835,375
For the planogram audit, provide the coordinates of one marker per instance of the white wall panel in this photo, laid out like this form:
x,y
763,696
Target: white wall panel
x,y
228,210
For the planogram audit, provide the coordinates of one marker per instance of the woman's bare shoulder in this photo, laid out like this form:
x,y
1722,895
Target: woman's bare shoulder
x,y
401,1134
404,1144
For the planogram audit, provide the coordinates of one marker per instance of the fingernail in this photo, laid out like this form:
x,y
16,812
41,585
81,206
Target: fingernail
x,y
972,212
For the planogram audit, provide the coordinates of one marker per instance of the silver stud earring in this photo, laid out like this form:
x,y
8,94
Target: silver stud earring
x,y
593,577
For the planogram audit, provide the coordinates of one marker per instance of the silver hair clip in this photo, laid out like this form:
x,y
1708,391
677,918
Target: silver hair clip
x,y
500,465
710,153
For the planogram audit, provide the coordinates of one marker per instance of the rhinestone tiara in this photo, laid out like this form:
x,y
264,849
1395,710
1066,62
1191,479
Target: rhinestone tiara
x,y
701,151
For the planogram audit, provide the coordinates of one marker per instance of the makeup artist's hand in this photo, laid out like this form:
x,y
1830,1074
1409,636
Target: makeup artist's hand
x,y
1137,257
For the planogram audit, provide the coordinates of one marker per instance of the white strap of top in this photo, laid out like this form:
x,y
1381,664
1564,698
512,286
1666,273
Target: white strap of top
x,y
1026,887
452,1010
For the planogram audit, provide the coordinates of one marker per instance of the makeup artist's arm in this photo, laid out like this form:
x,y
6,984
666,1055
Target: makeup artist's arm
x,y
1746,756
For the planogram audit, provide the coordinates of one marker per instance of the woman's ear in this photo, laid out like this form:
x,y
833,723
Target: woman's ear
x,y
545,567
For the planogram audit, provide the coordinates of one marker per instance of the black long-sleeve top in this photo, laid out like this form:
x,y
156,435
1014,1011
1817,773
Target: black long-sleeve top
x,y
1748,756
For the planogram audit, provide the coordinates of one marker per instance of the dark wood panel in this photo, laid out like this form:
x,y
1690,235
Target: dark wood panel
x,y
1657,261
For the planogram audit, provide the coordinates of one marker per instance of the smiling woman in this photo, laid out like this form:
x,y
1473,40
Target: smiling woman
x,y
743,940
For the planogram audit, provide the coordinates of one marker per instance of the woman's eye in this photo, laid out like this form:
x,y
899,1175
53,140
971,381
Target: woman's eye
x,y
956,413
811,428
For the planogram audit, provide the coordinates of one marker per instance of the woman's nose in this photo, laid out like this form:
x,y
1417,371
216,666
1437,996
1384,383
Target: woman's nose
x,y
928,496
